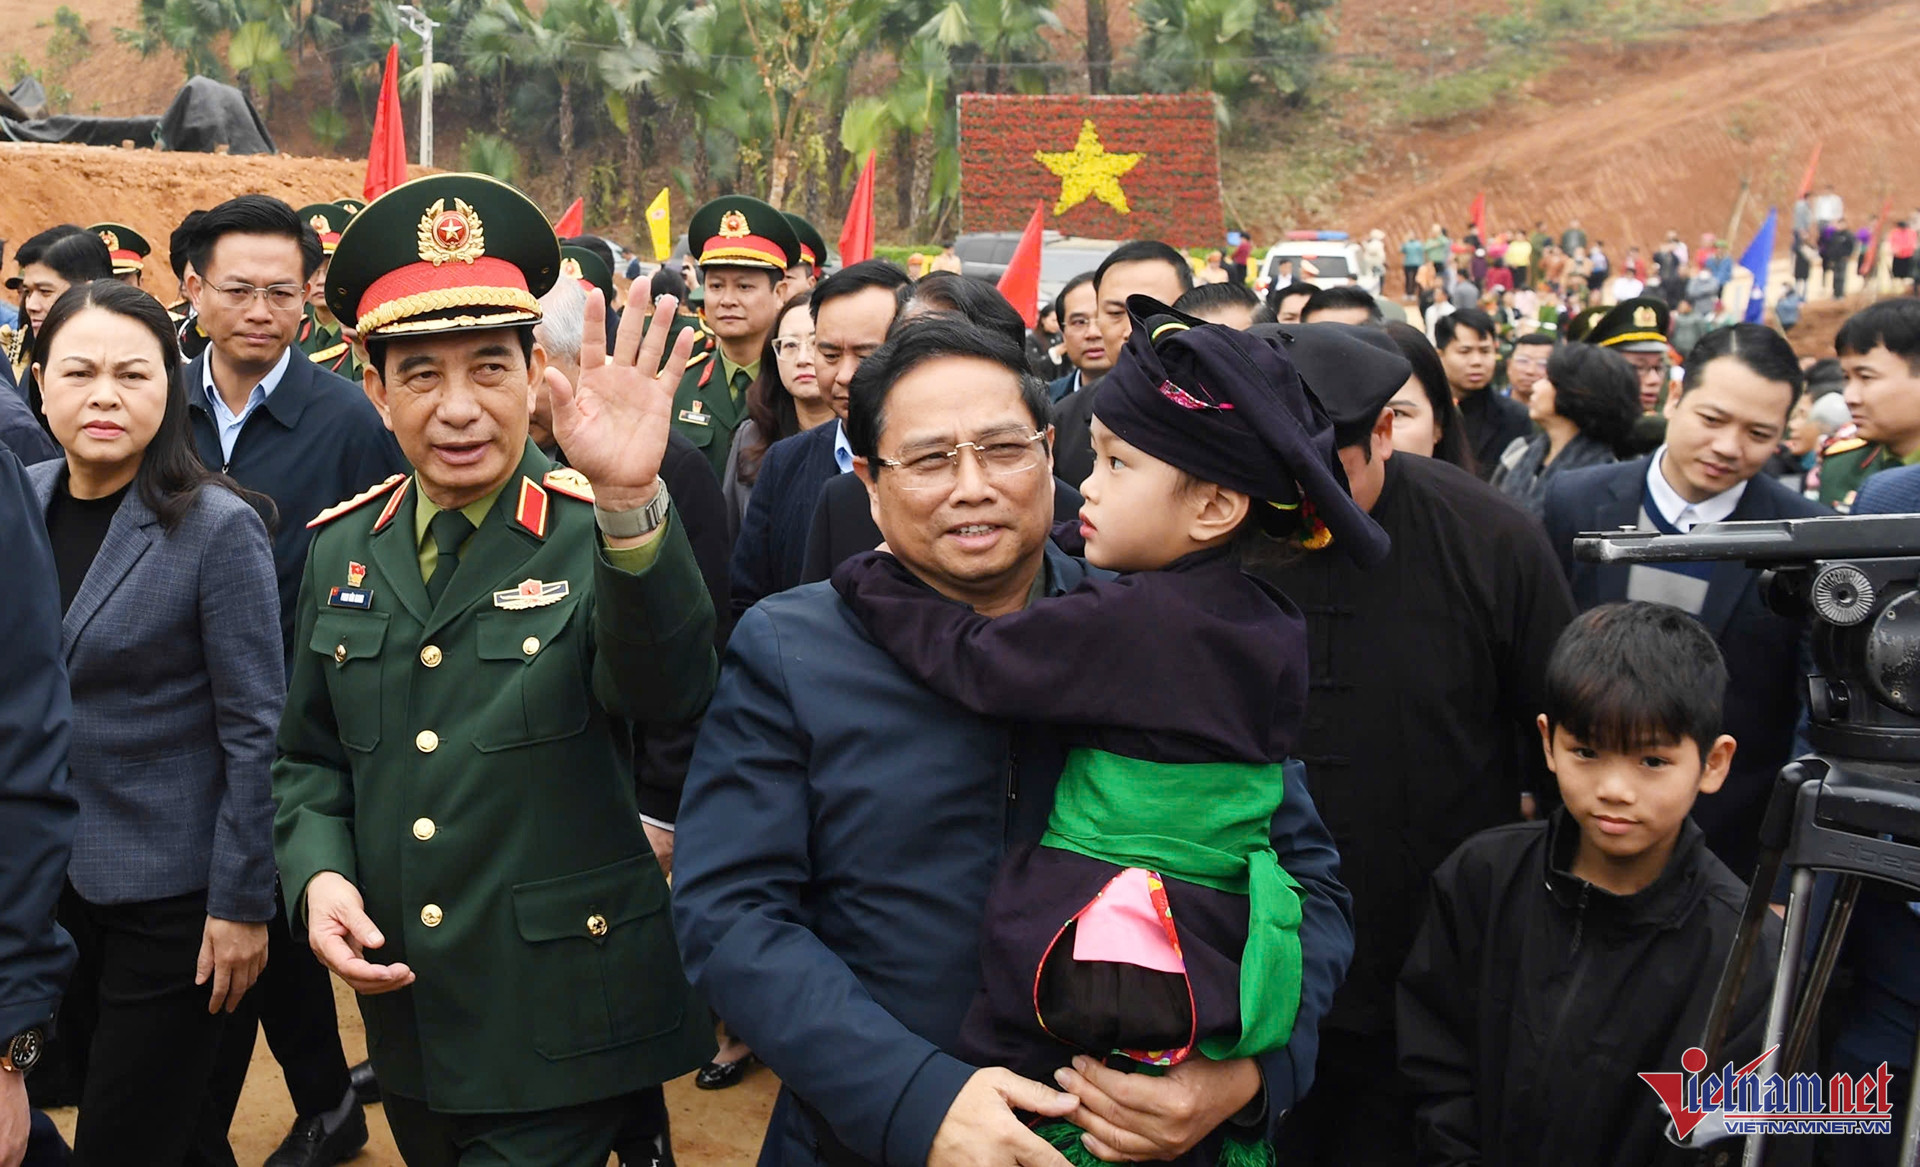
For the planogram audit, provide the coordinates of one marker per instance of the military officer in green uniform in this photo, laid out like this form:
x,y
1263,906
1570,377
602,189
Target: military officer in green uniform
x,y
128,248
1845,464
455,793
320,335
807,267
743,247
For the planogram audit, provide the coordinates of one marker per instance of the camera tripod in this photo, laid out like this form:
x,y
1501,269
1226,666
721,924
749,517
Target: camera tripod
x,y
1859,820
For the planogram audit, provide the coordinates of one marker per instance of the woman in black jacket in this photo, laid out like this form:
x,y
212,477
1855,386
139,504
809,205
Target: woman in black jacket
x,y
1585,408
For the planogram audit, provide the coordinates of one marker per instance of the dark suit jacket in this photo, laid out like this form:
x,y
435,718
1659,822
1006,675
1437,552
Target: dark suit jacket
x,y
22,432
316,441
1073,436
37,813
841,827
1890,492
1062,387
772,546
843,524
1764,652
178,680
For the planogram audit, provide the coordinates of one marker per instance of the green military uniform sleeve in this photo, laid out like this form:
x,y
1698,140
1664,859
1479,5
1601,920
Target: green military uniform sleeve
x,y
653,629
312,781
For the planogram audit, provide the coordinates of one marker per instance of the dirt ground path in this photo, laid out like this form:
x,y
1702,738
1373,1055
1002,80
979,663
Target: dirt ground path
x,y
710,1129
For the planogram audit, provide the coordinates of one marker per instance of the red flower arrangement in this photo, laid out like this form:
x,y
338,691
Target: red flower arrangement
x,y
1135,167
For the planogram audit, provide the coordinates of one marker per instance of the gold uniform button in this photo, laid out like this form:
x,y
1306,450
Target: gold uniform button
x,y
430,656
427,741
423,829
596,925
530,645
339,654
430,915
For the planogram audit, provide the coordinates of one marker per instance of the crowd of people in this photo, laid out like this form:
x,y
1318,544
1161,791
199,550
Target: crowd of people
x,y
1185,735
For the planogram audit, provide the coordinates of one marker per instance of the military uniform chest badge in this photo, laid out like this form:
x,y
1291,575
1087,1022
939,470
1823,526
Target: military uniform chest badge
x,y
531,593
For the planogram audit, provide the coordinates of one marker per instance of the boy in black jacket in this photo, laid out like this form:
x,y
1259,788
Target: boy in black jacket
x,y
1560,959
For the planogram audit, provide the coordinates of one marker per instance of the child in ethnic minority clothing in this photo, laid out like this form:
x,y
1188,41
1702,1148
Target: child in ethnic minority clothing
x,y
1561,959
1154,920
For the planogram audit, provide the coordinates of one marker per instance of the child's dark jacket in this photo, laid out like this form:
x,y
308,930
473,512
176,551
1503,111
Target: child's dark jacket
x,y
1532,1000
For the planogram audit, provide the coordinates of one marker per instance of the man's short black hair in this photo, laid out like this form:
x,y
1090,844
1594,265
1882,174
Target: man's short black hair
x,y
923,339
1144,250
1894,324
1471,319
1627,676
1060,301
1343,296
858,277
76,254
1764,352
1201,297
1539,338
667,281
969,297
1278,296
252,214
180,243
377,348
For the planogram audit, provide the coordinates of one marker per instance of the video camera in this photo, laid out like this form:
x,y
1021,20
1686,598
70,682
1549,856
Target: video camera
x,y
1853,807
1856,578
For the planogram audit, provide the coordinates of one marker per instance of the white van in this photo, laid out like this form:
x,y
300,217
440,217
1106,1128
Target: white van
x,y
1328,260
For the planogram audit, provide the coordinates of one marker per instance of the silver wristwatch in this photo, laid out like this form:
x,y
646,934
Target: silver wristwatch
x,y
636,522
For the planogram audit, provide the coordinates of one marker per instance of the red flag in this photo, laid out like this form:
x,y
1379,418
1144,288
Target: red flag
x,y
856,238
574,221
1020,283
1477,214
1869,255
1813,164
387,160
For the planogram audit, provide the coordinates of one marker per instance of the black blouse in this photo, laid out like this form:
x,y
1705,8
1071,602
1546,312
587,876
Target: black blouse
x,y
78,526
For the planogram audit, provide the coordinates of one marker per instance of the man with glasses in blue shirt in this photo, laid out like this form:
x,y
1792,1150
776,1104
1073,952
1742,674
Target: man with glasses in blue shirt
x,y
265,414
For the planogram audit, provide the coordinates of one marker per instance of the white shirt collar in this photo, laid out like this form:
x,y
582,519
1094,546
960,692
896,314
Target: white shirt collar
x,y
842,448
267,384
1678,511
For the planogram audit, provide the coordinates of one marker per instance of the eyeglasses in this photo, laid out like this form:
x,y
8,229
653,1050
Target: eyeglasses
x,y
279,297
789,347
1000,456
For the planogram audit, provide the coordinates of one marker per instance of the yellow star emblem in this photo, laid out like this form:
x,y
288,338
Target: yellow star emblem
x,y
1089,170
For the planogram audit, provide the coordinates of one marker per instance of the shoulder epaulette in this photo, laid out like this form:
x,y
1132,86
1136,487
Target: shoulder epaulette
x,y
699,356
355,503
328,353
1843,446
569,482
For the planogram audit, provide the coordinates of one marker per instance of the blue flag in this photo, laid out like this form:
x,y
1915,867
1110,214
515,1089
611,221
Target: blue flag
x,y
1758,256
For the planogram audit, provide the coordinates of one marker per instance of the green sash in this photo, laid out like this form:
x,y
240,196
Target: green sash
x,y
1206,823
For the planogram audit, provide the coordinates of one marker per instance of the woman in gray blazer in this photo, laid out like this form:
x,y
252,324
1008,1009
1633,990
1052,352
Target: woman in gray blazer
x,y
172,640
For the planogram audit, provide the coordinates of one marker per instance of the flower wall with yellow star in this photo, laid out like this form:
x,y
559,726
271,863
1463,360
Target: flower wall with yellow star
x,y
1136,167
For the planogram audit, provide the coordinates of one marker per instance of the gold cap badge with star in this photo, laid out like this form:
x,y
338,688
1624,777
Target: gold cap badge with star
x,y
444,253
128,247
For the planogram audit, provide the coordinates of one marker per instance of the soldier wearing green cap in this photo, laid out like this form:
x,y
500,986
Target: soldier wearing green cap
x,y
1637,329
128,248
744,248
320,336
454,781
805,271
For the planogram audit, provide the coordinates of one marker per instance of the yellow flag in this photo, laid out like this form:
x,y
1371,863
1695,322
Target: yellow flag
x,y
661,225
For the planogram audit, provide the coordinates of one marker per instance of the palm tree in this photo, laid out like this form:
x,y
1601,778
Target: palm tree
x,y
564,43
918,109
984,34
